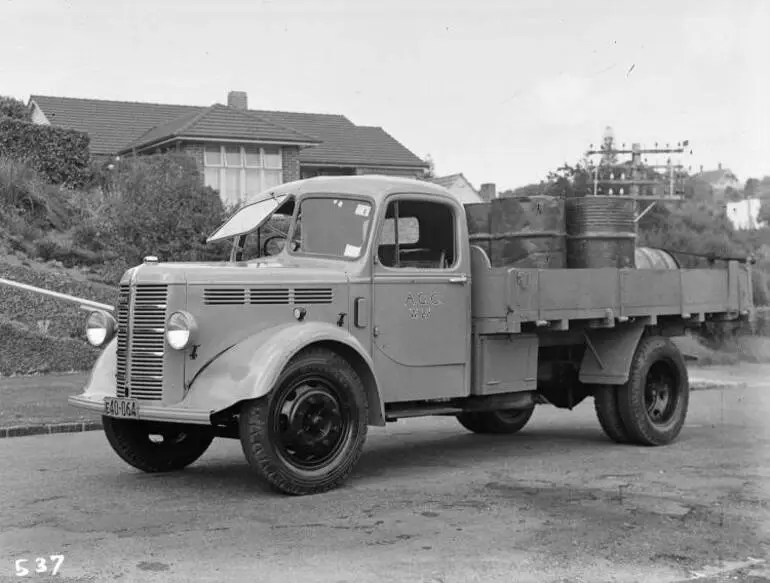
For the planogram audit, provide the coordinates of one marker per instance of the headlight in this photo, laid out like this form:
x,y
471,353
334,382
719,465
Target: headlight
x,y
181,330
100,328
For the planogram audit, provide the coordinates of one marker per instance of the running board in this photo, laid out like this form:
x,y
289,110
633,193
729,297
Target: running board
x,y
520,400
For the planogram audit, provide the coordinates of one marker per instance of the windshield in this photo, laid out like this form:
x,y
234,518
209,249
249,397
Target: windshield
x,y
248,217
336,227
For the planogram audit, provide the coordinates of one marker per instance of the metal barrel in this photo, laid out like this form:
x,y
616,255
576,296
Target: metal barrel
x,y
524,232
652,258
601,232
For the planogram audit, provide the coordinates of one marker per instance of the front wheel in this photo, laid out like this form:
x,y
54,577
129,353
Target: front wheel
x,y
156,447
487,422
308,433
653,403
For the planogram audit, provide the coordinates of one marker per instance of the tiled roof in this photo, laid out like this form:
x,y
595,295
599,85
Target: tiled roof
x,y
113,125
219,121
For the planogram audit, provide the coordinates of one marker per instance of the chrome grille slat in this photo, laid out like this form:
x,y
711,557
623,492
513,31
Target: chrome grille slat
x,y
141,343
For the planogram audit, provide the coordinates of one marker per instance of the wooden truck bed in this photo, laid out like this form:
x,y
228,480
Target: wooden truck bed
x,y
505,298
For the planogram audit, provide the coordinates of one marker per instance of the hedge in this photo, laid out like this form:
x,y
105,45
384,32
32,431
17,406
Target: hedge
x,y
24,351
61,155
54,317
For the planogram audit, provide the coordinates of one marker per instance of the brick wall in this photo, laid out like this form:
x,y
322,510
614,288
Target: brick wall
x,y
290,163
196,151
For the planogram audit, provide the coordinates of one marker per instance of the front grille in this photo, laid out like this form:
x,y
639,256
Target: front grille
x,y
122,354
141,343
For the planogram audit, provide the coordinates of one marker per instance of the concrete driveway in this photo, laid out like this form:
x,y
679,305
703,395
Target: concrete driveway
x,y
429,502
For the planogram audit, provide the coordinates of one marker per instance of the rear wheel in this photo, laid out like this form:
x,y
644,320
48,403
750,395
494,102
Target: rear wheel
x,y
653,403
308,433
606,405
488,422
156,447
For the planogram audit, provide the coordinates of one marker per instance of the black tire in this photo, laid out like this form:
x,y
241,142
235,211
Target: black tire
x,y
496,422
606,406
133,441
653,403
308,433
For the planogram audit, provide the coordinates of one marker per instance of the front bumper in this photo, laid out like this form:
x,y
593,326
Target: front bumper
x,y
146,412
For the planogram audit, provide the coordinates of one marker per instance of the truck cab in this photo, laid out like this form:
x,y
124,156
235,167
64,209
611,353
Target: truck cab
x,y
348,302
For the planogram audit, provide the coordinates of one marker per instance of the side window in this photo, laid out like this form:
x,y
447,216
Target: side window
x,y
418,233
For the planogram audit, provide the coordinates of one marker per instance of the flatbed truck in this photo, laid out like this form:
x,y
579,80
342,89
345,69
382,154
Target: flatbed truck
x,y
377,306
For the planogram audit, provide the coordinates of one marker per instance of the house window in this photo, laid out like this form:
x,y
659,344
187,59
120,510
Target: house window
x,y
241,171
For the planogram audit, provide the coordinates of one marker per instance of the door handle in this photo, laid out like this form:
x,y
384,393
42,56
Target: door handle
x,y
461,279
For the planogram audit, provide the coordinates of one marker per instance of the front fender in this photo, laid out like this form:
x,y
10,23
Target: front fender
x,y
101,382
250,369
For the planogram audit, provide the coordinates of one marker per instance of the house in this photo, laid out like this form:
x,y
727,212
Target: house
x,y
239,150
459,186
744,214
719,181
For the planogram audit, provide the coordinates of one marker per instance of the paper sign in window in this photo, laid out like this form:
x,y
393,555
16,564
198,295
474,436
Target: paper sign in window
x,y
352,251
363,210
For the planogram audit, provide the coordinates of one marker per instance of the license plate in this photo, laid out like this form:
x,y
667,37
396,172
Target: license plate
x,y
118,407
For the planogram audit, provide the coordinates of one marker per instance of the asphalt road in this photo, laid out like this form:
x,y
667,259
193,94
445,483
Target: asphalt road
x,y
429,502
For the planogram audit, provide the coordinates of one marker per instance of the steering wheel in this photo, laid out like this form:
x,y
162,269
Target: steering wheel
x,y
277,241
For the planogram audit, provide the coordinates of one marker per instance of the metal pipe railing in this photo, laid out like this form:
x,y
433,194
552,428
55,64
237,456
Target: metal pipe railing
x,y
82,303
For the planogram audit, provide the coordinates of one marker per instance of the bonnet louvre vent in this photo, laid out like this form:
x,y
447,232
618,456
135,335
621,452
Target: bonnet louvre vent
x,y
306,295
224,296
266,296
269,296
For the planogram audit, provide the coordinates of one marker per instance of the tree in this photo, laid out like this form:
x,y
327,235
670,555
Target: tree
x,y
14,108
430,173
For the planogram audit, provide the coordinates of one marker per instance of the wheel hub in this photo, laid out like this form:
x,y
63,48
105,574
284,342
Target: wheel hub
x,y
660,395
310,424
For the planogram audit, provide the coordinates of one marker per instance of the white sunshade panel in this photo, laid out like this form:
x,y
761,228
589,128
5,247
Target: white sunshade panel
x,y
247,218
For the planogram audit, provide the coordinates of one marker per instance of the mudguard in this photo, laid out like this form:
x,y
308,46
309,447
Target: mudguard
x,y
609,353
250,369
101,381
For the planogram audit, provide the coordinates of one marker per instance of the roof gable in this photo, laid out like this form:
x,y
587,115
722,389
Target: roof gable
x,y
114,125
452,179
220,122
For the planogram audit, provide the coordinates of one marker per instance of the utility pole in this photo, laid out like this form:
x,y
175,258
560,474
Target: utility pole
x,y
636,177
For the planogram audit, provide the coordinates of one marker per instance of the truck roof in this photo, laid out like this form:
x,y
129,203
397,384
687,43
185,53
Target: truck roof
x,y
374,185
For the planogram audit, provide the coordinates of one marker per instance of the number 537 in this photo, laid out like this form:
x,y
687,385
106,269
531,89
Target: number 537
x,y
41,565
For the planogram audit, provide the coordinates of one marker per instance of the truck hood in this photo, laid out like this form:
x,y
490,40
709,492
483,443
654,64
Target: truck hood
x,y
268,271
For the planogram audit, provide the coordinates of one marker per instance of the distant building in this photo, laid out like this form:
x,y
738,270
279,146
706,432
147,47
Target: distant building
x,y
460,187
744,214
719,180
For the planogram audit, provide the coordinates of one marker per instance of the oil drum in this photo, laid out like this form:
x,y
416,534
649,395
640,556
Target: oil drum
x,y
601,232
523,232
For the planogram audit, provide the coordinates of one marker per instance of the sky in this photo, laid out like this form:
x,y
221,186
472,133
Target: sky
x,y
501,91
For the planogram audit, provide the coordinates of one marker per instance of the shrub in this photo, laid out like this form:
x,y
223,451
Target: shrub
x,y
60,154
28,308
29,351
160,207
29,203
14,108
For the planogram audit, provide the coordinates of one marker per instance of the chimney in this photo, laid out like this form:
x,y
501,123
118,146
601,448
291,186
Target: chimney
x,y
238,100
488,191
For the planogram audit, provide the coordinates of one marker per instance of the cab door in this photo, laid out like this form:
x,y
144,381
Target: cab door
x,y
421,300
